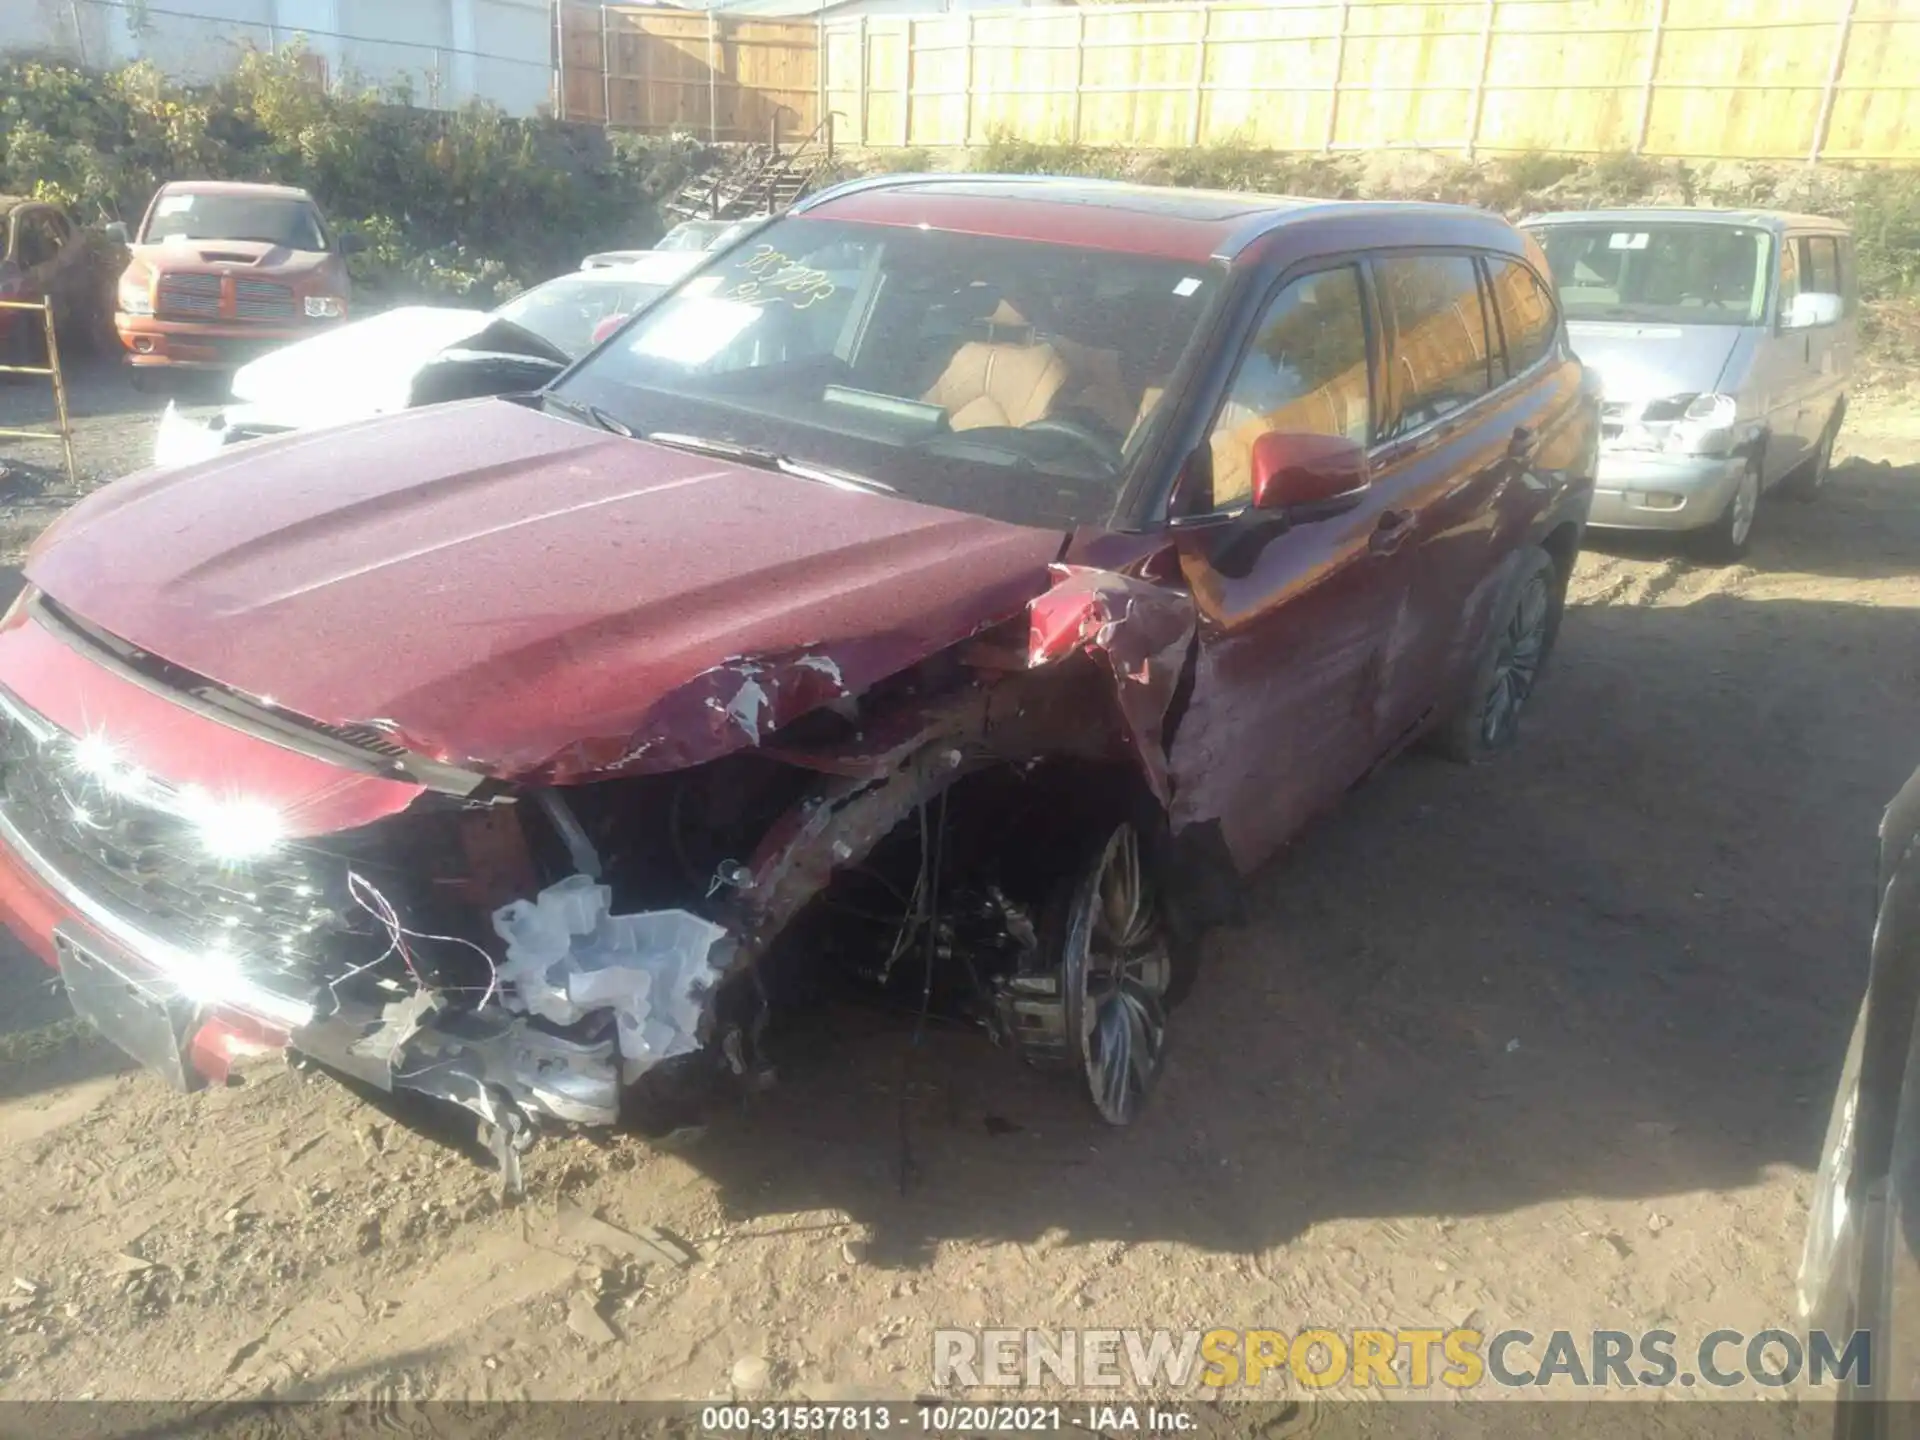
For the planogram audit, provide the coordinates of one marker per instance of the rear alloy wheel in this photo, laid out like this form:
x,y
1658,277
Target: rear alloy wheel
x,y
1511,660
1727,539
1116,969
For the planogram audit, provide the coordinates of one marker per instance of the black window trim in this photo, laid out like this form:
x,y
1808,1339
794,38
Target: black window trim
x,y
1397,445
1552,352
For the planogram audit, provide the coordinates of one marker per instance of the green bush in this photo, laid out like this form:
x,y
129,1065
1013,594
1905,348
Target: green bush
x,y
469,203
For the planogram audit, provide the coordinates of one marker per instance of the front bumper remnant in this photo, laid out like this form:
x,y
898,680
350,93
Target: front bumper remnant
x,y
584,1003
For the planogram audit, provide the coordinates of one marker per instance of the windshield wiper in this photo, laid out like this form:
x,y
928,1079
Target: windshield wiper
x,y
592,414
770,460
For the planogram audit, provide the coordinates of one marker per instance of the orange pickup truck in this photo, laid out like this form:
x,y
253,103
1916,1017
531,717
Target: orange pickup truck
x,y
222,271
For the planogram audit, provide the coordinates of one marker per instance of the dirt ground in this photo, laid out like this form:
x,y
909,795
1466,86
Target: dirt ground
x,y
1546,1043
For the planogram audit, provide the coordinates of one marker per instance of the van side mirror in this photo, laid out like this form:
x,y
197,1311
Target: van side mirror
x,y
115,231
1307,475
1810,308
353,244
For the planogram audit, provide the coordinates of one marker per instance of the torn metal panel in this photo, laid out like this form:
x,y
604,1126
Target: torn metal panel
x,y
837,825
732,706
488,1061
1143,632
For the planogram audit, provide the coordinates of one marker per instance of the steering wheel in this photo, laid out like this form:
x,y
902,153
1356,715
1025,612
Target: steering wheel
x,y
1103,447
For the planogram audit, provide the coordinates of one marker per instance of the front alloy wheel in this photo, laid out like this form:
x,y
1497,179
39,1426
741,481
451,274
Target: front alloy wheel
x,y
1727,539
1115,971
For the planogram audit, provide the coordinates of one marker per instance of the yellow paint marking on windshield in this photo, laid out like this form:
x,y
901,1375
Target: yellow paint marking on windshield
x,y
775,276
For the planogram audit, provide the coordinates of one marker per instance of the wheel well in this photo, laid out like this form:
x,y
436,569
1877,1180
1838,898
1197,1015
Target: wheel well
x,y
1562,544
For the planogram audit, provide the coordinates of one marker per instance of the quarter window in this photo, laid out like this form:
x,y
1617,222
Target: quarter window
x,y
1527,322
1820,265
1306,372
1441,359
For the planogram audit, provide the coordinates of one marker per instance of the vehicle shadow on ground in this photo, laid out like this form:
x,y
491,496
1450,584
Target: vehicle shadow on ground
x,y
44,1046
1864,526
1621,962
97,386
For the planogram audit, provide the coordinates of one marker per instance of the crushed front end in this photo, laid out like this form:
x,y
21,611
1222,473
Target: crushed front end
x,y
213,878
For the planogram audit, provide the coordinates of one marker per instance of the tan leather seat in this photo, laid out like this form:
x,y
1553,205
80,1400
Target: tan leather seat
x,y
1000,382
1094,384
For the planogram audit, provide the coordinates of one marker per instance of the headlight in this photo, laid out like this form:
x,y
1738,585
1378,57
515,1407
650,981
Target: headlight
x,y
325,307
135,298
232,830
1705,427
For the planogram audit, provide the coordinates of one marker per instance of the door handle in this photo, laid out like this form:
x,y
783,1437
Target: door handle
x,y
1394,527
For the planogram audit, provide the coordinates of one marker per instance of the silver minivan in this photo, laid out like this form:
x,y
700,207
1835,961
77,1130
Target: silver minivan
x,y
1724,340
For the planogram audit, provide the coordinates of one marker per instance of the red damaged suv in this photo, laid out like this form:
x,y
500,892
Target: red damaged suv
x,y
951,587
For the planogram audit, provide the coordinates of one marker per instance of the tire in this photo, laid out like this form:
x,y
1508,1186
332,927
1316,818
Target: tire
x,y
1809,481
1518,642
1118,959
1730,536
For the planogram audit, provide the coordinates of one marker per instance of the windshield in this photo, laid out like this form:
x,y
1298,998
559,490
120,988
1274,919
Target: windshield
x,y
292,223
1660,272
1004,377
566,312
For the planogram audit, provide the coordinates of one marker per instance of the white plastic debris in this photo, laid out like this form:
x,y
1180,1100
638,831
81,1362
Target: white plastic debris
x,y
568,956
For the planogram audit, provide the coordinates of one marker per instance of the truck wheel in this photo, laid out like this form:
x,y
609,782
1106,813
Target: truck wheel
x,y
1526,623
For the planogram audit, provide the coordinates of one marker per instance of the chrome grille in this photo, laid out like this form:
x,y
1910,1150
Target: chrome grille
x,y
188,297
141,861
262,300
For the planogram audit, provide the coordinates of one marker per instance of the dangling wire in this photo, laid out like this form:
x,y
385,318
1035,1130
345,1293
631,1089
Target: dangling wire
x,y
397,936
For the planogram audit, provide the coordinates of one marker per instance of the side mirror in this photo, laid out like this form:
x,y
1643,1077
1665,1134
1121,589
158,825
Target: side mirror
x,y
353,244
1299,472
607,326
115,231
1808,309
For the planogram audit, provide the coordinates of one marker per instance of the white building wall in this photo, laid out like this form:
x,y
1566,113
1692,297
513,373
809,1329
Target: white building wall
x,y
446,52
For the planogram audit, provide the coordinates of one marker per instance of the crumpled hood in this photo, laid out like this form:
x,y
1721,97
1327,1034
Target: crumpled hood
x,y
530,597
1638,362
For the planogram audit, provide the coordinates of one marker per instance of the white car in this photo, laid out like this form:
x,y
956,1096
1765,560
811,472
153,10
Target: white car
x,y
421,354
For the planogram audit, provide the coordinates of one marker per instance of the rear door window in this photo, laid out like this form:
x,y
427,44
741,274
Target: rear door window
x,y
1437,321
1525,310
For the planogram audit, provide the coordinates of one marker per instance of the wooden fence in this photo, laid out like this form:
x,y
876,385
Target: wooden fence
x,y
1749,79
706,74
